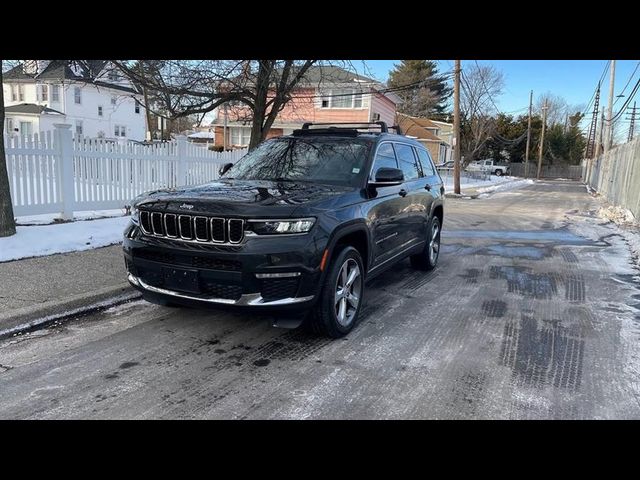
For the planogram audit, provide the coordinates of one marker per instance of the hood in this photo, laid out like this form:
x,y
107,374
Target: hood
x,y
260,198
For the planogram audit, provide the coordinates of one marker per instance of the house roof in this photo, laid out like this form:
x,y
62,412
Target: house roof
x,y
31,108
75,70
417,127
333,74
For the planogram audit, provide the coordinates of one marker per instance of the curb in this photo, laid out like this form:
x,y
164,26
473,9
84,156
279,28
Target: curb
x,y
40,315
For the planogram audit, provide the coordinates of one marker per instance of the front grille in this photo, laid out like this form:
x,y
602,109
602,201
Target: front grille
x,y
188,260
198,228
220,290
279,288
216,264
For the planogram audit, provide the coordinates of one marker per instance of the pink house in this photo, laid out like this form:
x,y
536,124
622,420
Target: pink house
x,y
328,94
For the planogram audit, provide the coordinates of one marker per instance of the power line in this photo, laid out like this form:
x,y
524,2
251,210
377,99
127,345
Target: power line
x,y
631,95
593,96
628,82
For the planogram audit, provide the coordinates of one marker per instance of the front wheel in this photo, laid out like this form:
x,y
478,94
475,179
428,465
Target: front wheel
x,y
498,173
428,258
341,296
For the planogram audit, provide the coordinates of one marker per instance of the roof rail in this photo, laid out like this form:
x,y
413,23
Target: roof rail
x,y
382,125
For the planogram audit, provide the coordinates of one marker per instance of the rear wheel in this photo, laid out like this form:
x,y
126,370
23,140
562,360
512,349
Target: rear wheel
x,y
498,173
428,258
341,296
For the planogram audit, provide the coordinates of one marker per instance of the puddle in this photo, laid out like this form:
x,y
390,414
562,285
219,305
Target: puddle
x,y
561,235
521,280
506,251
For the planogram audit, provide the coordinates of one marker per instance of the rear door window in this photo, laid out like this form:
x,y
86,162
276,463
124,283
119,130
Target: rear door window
x,y
407,162
425,160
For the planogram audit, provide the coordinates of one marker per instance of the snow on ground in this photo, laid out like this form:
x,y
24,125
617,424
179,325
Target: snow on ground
x,y
466,182
484,187
50,218
39,240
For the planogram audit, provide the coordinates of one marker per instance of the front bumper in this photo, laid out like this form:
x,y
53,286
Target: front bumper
x,y
227,276
245,300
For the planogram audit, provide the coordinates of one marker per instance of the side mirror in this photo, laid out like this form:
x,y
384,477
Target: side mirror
x,y
387,177
225,168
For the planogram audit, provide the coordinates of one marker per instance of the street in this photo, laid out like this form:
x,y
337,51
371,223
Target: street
x,y
532,313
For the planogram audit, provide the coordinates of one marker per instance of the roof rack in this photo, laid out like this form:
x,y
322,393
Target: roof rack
x,y
351,131
382,125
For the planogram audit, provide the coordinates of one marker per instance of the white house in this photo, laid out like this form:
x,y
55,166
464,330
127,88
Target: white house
x,y
90,95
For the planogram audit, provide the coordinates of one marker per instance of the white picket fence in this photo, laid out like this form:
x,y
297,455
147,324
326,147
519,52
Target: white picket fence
x,y
51,172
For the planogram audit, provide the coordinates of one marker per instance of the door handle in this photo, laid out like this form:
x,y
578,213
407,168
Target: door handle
x,y
402,193
427,187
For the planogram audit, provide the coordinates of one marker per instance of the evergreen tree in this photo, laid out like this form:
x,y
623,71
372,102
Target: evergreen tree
x,y
430,98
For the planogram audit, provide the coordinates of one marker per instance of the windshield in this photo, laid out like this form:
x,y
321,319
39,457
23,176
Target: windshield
x,y
330,160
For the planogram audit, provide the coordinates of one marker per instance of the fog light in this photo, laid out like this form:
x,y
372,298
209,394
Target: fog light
x,y
278,275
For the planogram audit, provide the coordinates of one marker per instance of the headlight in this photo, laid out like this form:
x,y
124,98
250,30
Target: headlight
x,y
135,214
276,227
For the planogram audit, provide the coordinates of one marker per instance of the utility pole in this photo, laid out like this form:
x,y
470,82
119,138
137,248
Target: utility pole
x,y
633,122
526,152
456,128
600,138
593,129
224,130
544,124
612,80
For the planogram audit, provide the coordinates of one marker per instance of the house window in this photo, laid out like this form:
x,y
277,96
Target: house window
x,y
240,136
14,93
21,94
55,93
343,98
99,110
114,99
78,128
77,95
26,128
120,131
9,126
137,107
43,93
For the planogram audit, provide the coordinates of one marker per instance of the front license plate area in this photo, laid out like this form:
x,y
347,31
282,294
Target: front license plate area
x,y
181,279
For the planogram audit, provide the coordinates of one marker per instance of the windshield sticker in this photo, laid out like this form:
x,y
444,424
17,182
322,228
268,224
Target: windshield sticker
x,y
355,170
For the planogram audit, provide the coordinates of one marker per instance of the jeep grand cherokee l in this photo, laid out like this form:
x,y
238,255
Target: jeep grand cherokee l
x,y
297,224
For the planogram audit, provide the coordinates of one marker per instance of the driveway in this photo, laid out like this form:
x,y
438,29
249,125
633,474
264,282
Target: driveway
x,y
532,313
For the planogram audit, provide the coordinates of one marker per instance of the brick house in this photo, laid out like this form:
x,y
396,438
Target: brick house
x,y
436,136
327,94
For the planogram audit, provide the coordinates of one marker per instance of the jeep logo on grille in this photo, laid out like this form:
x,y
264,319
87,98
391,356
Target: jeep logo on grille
x,y
187,206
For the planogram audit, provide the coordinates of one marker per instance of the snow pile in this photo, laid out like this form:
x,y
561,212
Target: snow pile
x,y
466,182
49,218
617,214
39,240
501,187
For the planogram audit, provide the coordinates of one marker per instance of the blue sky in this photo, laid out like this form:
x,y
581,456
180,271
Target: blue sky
x,y
574,80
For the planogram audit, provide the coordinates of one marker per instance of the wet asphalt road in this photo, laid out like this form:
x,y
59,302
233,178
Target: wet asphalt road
x,y
532,313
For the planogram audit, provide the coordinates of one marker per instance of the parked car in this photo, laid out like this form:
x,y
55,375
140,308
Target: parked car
x,y
298,224
490,166
448,164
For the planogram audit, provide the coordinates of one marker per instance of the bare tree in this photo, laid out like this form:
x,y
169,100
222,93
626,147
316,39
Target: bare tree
x,y
189,87
557,108
480,86
7,222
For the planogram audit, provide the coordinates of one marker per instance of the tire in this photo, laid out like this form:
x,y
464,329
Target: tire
x,y
334,317
428,258
498,173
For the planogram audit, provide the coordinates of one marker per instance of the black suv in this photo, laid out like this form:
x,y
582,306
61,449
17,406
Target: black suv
x,y
298,225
